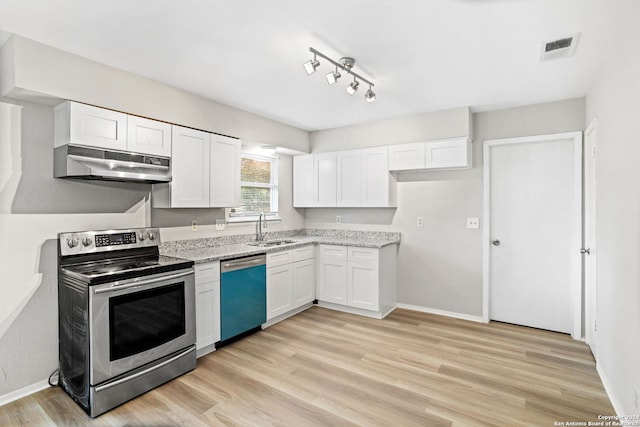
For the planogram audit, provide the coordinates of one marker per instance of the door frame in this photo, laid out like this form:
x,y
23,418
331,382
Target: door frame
x,y
576,232
590,240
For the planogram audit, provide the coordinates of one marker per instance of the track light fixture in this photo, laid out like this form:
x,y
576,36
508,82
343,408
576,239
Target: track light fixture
x,y
346,64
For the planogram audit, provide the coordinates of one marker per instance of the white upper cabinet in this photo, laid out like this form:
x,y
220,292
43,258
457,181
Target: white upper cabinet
x,y
190,168
353,178
148,136
378,186
406,156
224,172
349,179
314,180
452,153
431,155
363,178
324,174
205,171
90,126
303,192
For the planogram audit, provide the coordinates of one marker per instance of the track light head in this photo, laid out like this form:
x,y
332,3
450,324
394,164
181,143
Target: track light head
x,y
310,66
333,76
353,87
369,95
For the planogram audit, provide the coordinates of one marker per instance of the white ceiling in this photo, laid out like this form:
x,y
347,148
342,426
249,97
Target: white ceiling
x,y
422,55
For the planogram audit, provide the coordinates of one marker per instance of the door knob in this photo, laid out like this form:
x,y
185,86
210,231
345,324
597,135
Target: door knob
x,y
495,242
586,251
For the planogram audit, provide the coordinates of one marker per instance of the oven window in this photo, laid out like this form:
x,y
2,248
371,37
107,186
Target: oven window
x,y
140,321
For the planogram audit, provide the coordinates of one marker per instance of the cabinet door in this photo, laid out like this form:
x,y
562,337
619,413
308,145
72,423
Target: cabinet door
x,y
303,188
304,284
331,285
324,179
349,178
189,168
363,285
97,127
376,180
454,153
207,304
279,290
406,156
224,187
148,136
207,327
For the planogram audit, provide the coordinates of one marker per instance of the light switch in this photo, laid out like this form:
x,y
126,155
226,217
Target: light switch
x,y
473,222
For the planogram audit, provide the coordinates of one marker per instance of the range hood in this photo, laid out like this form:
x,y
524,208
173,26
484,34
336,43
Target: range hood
x,y
79,162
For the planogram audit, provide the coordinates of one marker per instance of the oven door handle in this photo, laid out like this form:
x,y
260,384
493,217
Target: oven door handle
x,y
114,288
144,372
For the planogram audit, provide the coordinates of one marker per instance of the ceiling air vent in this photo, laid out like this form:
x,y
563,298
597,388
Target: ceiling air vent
x,y
559,48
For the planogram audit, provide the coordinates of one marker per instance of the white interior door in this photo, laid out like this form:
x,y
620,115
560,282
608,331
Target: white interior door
x,y
590,276
534,236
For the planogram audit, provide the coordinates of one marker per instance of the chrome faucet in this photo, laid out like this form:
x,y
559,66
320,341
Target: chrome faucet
x,y
259,233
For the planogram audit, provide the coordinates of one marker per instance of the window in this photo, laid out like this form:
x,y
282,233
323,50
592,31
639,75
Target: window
x,y
258,187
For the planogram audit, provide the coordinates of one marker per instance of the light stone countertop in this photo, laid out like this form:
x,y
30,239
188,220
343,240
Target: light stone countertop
x,y
223,252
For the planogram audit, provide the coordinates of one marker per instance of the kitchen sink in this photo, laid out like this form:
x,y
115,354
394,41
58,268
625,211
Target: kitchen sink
x,y
271,243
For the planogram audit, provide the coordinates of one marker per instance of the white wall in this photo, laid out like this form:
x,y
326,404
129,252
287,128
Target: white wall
x,y
34,71
33,209
439,264
34,206
615,102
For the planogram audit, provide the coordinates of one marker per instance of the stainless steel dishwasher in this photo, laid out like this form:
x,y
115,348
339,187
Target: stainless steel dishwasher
x,y
243,296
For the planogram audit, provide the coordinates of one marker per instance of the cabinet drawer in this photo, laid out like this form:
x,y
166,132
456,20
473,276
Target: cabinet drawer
x,y
208,272
305,252
362,254
275,259
332,251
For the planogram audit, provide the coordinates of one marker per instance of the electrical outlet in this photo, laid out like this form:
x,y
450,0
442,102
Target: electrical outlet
x,y
194,225
220,224
473,222
338,219
419,222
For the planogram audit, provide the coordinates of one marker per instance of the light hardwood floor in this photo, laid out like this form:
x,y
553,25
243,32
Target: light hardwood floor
x,y
323,367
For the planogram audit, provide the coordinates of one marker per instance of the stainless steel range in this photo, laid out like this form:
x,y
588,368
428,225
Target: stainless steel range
x,y
126,316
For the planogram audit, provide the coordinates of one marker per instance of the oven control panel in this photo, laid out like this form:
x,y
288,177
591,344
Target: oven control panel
x,y
115,239
86,242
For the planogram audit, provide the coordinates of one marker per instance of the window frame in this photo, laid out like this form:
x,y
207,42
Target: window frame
x,y
233,217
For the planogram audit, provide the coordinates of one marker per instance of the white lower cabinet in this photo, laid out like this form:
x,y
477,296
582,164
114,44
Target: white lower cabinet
x,y
358,280
279,290
331,285
290,280
304,283
207,306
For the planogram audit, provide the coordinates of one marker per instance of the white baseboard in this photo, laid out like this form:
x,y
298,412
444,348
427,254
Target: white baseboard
x,y
609,389
23,392
351,310
462,316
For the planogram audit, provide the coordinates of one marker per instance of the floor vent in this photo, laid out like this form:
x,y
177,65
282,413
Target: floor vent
x,y
558,48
